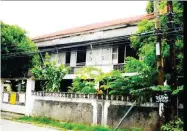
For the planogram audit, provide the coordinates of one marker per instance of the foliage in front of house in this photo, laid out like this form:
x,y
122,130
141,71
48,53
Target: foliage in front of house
x,y
50,72
15,51
145,82
86,80
145,45
114,82
82,86
89,76
174,125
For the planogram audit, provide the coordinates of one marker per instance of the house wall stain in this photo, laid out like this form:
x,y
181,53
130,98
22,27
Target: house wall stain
x,y
141,117
64,111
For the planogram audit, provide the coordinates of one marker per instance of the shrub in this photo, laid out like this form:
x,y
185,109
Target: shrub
x,y
174,125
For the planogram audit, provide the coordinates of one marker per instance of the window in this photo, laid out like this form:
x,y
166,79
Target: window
x,y
121,53
114,53
81,56
68,55
130,52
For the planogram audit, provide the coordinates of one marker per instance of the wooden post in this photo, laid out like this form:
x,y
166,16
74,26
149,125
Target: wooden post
x,y
160,78
158,45
171,42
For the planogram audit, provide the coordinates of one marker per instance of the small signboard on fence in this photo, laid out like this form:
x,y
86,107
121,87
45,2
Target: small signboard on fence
x,y
22,98
5,97
162,98
13,98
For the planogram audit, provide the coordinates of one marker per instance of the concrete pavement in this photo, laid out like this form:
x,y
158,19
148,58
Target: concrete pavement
x,y
7,125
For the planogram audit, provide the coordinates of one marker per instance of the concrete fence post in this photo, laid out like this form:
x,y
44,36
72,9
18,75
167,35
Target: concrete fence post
x,y
2,88
1,91
29,99
105,113
95,111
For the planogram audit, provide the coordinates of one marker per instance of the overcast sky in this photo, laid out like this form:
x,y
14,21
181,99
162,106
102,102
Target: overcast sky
x,y
39,17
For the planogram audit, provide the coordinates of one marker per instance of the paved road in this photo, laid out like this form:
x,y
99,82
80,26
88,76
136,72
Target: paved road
x,y
7,125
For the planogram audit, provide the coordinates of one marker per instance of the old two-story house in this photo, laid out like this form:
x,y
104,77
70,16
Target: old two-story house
x,y
104,45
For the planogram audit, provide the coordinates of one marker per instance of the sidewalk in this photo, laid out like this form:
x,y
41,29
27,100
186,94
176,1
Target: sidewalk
x,y
9,115
7,125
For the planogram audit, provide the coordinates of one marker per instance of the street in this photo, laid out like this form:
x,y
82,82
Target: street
x,y
7,125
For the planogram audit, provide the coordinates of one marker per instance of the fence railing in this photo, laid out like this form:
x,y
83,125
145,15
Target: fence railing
x,y
126,98
14,98
89,96
119,67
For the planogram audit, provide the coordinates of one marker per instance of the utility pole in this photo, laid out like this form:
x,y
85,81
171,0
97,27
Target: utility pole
x,y
158,44
160,78
171,42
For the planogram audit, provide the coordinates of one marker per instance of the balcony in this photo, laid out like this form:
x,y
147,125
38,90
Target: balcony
x,y
119,67
67,64
81,64
74,69
77,67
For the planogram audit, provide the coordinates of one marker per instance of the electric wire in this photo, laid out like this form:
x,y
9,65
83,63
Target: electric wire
x,y
47,50
135,34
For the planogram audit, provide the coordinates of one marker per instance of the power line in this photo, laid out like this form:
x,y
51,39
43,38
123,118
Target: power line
x,y
83,50
27,54
59,48
136,34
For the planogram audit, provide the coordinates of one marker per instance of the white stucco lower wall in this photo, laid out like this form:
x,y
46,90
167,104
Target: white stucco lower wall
x,y
13,108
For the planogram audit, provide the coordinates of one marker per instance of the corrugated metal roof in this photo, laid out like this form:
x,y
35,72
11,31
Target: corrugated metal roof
x,y
95,26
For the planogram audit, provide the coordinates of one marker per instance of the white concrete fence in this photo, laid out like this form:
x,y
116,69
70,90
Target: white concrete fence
x,y
95,100
25,102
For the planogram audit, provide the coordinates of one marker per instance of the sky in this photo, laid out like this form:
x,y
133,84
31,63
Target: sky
x,y
43,17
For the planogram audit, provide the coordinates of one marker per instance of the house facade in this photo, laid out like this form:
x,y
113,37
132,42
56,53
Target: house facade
x,y
103,45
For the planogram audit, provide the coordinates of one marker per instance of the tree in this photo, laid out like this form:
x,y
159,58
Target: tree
x,y
149,7
14,40
85,82
129,85
145,45
89,76
50,72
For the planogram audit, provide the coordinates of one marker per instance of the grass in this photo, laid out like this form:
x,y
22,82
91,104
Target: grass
x,y
44,121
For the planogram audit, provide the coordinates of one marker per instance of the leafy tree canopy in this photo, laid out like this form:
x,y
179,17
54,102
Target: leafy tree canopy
x,y
145,45
149,7
90,72
15,40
